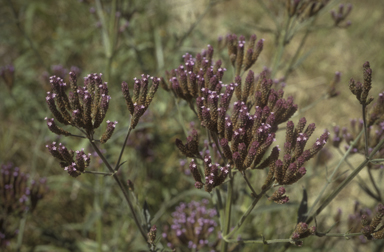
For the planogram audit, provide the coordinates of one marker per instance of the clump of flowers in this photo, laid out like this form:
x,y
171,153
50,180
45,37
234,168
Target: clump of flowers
x,y
339,16
193,226
373,228
59,71
302,231
374,121
245,130
85,108
17,195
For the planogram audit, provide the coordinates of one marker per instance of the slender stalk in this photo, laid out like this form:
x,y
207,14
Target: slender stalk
x,y
263,241
298,50
346,181
228,209
376,161
365,131
245,215
249,184
352,168
280,50
99,173
193,26
99,223
220,207
374,185
117,166
260,241
334,172
125,193
21,231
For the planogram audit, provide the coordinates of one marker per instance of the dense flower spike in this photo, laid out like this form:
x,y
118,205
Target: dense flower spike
x,y
302,231
376,116
290,169
341,15
372,228
279,197
192,226
141,98
108,132
361,90
85,107
73,164
246,130
190,149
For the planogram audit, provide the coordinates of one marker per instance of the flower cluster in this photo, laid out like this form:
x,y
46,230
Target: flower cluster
x,y
245,130
192,225
141,97
214,176
73,164
304,9
375,133
279,196
290,169
198,77
302,231
85,107
59,71
17,195
371,227
361,90
341,15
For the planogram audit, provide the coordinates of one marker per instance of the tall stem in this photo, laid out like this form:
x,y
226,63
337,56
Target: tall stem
x,y
125,193
228,209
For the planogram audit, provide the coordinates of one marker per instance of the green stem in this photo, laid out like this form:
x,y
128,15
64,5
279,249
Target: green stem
x,y
346,181
378,160
365,131
248,183
333,174
220,207
117,166
21,231
245,215
193,26
125,193
280,50
374,185
228,209
99,173
298,50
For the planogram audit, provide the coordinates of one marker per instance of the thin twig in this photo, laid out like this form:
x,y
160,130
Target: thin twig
x,y
331,177
144,235
347,180
374,185
122,149
249,184
245,215
228,209
193,26
365,131
99,173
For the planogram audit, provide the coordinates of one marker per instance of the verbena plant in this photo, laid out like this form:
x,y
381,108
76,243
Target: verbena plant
x,y
244,147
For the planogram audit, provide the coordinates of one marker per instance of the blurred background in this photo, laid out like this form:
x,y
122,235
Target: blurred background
x,y
124,39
